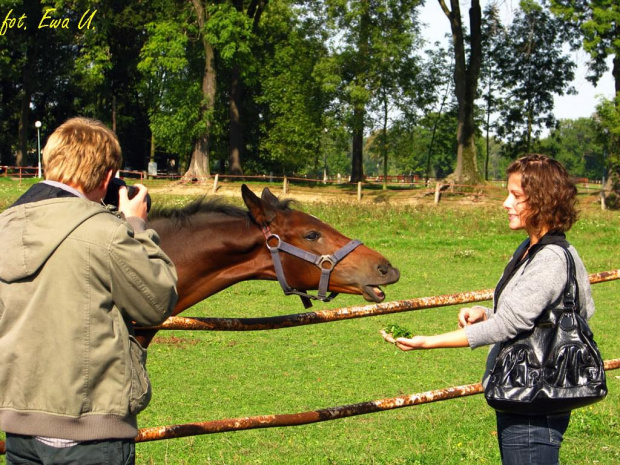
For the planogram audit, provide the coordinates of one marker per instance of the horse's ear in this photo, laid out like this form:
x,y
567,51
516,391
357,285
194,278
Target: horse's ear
x,y
262,212
267,196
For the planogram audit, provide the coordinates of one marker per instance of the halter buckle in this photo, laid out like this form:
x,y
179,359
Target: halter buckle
x,y
326,260
273,247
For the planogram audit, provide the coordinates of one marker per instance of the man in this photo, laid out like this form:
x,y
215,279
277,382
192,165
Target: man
x,y
74,278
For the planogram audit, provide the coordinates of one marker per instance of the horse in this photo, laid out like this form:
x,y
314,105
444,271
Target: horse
x,y
215,245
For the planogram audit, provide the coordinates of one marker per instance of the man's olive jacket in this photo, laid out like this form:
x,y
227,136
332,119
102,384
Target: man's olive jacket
x,y
73,278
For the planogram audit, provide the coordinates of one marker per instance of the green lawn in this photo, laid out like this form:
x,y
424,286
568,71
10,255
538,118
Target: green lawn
x,y
444,249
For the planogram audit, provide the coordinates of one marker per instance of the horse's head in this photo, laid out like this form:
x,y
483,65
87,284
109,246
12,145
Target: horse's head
x,y
313,255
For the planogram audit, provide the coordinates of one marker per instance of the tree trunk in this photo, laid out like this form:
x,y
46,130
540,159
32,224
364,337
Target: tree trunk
x,y
466,83
198,168
235,135
384,150
357,165
616,73
613,175
22,151
24,113
488,125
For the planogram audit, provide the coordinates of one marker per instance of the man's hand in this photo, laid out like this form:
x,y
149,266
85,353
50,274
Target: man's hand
x,y
136,206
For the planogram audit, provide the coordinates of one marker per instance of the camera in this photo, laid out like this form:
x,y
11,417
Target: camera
x,y
111,196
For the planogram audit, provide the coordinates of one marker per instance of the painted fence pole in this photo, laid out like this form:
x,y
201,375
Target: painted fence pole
x,y
316,416
304,418
294,419
323,316
271,421
345,313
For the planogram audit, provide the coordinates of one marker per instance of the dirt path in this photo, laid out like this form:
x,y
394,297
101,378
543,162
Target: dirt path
x,y
329,194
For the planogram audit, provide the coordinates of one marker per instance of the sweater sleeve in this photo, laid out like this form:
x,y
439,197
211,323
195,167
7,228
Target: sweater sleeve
x,y
538,284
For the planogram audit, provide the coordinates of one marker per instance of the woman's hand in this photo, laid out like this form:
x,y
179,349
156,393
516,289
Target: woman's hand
x,y
456,338
416,342
471,315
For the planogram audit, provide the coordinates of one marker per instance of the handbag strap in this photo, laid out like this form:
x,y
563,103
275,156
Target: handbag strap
x,y
571,291
518,260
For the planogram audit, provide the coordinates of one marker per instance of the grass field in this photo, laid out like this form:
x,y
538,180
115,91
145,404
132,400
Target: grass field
x,y
444,249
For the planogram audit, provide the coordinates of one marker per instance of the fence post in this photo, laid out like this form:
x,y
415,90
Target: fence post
x,y
215,183
285,185
437,193
359,191
603,194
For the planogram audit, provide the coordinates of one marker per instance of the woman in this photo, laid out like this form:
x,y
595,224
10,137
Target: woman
x,y
541,200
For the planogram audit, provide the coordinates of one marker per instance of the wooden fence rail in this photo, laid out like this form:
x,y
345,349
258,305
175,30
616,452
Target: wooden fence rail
x,y
314,416
345,313
333,413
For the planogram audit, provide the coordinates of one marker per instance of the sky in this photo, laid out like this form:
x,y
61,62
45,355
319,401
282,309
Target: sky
x,y
566,107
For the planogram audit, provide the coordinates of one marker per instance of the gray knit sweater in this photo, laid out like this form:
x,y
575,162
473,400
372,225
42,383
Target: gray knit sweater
x,y
537,284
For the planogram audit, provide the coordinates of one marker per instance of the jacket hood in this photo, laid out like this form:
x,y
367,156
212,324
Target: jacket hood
x,y
23,227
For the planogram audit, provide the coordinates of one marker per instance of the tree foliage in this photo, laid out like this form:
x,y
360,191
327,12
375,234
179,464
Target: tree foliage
x,y
532,70
578,146
370,60
315,88
596,23
467,47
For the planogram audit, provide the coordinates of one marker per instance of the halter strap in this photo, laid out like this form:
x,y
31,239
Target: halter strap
x,y
326,263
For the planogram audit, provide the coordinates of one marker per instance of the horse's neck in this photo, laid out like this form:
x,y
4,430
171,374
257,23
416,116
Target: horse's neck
x,y
213,254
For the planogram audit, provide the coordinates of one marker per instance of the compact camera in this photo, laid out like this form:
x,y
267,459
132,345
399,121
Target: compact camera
x,y
111,196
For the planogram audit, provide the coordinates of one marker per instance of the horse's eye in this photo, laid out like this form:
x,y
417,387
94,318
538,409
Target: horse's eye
x,y
312,236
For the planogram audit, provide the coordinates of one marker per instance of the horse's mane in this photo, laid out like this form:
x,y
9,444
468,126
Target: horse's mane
x,y
204,205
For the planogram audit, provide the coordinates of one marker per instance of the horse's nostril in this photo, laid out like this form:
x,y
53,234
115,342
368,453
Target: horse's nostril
x,y
383,268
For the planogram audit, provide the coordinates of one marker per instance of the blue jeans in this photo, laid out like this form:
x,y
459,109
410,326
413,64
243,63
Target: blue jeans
x,y
531,439
27,450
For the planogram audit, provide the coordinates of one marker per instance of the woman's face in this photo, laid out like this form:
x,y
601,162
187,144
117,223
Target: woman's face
x,y
516,204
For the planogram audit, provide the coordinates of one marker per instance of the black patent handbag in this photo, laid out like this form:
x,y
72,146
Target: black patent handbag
x,y
555,367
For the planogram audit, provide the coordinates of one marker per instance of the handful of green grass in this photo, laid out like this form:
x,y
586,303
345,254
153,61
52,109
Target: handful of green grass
x,y
398,331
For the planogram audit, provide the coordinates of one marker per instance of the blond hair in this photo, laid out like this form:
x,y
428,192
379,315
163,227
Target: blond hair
x,y
80,153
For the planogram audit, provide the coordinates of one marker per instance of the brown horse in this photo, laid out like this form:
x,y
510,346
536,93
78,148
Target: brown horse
x,y
215,245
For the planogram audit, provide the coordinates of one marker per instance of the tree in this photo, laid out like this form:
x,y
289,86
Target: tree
x,y
578,145
288,95
396,68
532,69
232,29
171,88
595,22
466,74
494,35
36,72
411,144
608,119
435,76
417,142
106,70
199,161
366,31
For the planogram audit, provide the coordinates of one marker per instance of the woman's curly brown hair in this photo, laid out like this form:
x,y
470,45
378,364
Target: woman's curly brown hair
x,y
549,190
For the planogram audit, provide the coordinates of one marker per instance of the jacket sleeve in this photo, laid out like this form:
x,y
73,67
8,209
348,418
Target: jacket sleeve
x,y
538,284
144,279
